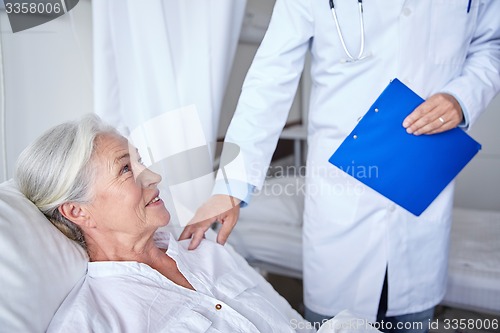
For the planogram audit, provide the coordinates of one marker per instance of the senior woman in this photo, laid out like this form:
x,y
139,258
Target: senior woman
x,y
92,186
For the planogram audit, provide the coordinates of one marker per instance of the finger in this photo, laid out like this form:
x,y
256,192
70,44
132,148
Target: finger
x,y
225,231
434,125
445,127
198,236
228,224
424,119
419,112
424,124
187,232
450,120
192,227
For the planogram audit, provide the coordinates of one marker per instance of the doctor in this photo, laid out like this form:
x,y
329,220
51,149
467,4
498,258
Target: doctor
x,y
361,251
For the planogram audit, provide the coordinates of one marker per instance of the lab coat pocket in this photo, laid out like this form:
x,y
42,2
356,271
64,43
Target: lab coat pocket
x,y
452,27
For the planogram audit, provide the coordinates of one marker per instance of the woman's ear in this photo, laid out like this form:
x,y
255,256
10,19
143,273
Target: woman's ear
x,y
75,213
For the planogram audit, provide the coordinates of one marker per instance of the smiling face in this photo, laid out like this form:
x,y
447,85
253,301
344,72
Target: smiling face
x,y
125,197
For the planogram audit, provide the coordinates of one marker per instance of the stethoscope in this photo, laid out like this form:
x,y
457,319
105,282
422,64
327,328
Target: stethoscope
x,y
341,36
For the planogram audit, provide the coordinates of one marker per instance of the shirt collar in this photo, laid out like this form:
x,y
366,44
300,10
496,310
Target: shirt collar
x,y
96,269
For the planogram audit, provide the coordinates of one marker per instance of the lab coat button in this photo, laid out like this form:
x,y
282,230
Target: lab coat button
x,y
406,11
218,306
392,208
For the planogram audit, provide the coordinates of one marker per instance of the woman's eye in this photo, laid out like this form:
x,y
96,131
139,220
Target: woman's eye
x,y
126,169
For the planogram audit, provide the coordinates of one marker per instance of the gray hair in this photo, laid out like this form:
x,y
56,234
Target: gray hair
x,y
56,169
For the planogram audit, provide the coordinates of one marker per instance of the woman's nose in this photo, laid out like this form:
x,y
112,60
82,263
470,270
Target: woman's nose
x,y
148,178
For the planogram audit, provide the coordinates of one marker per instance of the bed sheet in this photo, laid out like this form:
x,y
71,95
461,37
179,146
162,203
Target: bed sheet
x,y
474,263
269,231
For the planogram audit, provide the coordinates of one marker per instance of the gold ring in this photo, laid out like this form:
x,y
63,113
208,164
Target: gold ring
x,y
441,120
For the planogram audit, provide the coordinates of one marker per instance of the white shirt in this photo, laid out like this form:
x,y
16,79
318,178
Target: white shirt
x,y
132,297
351,234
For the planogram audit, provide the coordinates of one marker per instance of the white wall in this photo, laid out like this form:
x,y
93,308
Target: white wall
x,y
478,185
257,16
47,78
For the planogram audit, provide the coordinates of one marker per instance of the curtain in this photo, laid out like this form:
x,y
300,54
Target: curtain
x,y
160,74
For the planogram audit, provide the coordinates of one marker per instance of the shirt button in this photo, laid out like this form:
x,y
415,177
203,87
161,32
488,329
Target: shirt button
x,y
406,11
218,306
392,208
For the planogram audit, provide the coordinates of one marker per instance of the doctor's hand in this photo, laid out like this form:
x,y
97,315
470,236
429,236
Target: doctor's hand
x,y
218,208
440,112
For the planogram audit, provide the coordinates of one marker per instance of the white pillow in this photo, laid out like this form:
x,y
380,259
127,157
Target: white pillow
x,y
38,264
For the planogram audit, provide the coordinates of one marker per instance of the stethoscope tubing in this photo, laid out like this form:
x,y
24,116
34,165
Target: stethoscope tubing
x,y
341,36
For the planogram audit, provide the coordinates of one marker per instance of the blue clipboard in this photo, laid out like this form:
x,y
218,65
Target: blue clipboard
x,y
407,169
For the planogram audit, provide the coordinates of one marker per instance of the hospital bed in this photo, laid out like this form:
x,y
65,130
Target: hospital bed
x,y
269,230
474,263
39,266
269,236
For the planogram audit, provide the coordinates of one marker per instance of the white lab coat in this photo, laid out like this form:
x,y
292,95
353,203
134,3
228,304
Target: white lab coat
x,y
351,233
